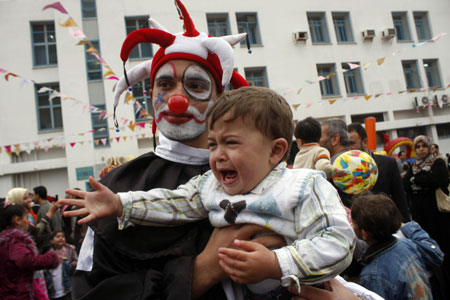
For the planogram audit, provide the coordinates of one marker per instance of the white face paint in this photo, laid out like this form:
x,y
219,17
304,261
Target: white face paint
x,y
190,80
190,127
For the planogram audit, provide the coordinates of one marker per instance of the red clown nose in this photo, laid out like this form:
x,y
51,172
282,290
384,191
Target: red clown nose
x,y
178,104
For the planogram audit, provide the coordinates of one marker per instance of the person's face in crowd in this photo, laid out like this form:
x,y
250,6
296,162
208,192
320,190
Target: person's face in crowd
x,y
59,240
434,150
422,150
240,155
22,222
183,117
324,139
27,199
402,156
356,143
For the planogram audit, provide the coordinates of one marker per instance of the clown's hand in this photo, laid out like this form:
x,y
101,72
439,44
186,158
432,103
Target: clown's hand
x,y
94,205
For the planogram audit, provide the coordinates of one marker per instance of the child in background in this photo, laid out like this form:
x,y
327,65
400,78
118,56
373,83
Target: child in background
x,y
60,281
249,130
311,155
394,268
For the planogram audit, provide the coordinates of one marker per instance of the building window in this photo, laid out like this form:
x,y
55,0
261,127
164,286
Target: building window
x,y
412,76
143,50
353,80
411,133
218,24
318,28
328,86
248,22
432,72
443,130
256,76
93,66
142,96
101,127
344,33
88,9
401,26
44,44
422,26
49,112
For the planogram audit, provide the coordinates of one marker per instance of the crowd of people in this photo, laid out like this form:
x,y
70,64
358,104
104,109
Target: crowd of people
x,y
214,212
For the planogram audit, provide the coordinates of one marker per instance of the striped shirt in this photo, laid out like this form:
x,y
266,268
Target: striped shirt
x,y
299,204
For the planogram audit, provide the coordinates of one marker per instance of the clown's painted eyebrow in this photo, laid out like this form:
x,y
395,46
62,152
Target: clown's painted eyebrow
x,y
164,76
197,77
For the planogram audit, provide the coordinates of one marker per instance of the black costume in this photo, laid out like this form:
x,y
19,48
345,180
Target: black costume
x,y
143,262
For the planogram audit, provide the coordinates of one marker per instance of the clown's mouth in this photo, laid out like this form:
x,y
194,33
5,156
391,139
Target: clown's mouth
x,y
175,118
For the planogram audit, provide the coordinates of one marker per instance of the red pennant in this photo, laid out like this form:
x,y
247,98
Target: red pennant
x,y
72,144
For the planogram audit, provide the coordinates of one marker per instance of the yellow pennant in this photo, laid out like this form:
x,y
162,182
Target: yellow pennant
x,y
366,66
129,98
124,138
1,149
17,149
380,61
331,75
110,139
411,90
378,95
143,135
367,97
295,106
109,73
331,101
91,49
132,125
82,142
69,23
83,42
96,141
401,92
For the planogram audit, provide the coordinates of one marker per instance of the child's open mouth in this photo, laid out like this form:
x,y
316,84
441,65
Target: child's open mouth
x,y
228,177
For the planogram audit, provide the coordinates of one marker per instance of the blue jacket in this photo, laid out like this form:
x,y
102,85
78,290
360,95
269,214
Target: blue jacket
x,y
399,268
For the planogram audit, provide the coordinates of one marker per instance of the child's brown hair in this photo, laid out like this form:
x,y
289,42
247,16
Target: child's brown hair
x,y
267,110
376,214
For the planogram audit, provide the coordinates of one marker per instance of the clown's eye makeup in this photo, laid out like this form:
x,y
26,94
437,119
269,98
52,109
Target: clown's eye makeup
x,y
197,83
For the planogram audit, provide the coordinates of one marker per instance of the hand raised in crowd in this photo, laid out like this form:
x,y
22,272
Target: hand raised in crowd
x,y
94,205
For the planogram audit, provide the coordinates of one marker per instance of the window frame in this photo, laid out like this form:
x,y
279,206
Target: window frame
x,y
426,25
139,48
328,82
86,9
46,43
213,17
51,106
325,32
89,58
264,77
402,28
355,75
145,97
435,70
257,33
412,70
98,135
347,27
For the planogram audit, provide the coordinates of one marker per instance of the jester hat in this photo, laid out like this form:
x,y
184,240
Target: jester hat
x,y
215,54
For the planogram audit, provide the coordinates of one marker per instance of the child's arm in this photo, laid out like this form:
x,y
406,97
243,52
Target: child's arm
x,y
325,239
428,248
157,206
323,162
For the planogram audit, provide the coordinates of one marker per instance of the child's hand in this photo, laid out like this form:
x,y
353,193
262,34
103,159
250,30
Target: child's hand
x,y
250,264
95,205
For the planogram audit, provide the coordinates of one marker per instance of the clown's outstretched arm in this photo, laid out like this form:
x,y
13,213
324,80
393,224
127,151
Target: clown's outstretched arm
x,y
94,205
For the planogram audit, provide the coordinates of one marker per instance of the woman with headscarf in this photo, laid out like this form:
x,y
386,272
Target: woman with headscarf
x,y
421,181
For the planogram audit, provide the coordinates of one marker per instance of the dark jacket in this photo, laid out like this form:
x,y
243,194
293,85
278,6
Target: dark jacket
x,y
18,261
390,182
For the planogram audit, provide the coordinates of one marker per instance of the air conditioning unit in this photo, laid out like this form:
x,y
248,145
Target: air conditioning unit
x,y
388,33
300,36
368,34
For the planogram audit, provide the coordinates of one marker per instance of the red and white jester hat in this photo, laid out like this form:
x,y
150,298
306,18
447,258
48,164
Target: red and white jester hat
x,y
213,53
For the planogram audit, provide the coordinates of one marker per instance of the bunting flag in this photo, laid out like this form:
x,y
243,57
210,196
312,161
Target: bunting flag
x,y
10,74
91,49
299,90
380,61
118,138
83,42
366,66
124,138
331,101
295,106
109,73
129,97
367,97
437,37
17,149
72,144
77,34
3,70
113,78
132,126
320,78
103,140
142,124
96,142
353,66
331,75
69,23
378,95
58,6
8,149
98,57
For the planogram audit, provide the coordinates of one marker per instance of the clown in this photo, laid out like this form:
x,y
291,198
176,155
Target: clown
x,y
186,74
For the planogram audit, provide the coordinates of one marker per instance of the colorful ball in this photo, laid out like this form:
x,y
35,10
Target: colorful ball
x,y
354,172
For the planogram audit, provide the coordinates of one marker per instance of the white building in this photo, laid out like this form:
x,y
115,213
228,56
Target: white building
x,y
296,46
